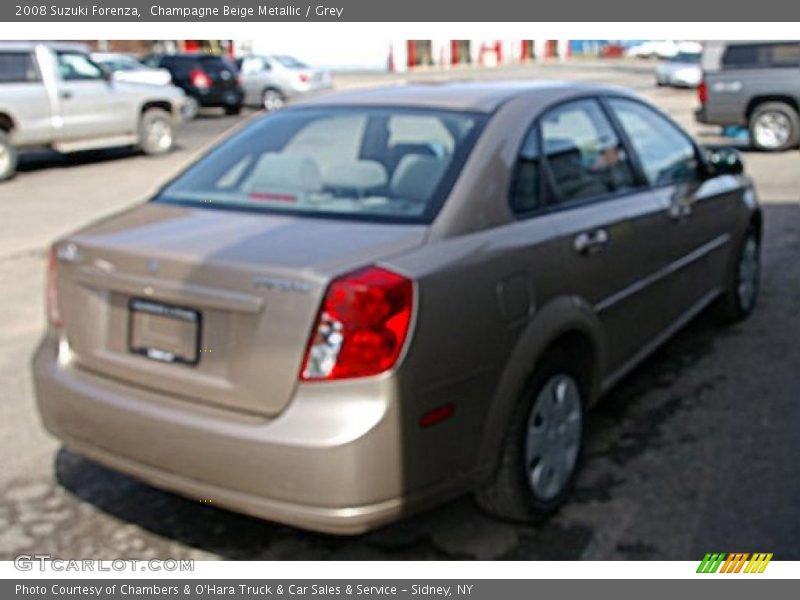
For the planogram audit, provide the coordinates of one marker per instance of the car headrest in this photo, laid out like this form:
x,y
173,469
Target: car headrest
x,y
416,177
275,171
358,175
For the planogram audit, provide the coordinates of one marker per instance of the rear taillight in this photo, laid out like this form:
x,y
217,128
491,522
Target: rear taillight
x,y
52,302
361,327
304,77
200,79
702,92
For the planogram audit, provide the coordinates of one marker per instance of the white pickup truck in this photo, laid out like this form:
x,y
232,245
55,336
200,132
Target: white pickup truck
x,y
54,95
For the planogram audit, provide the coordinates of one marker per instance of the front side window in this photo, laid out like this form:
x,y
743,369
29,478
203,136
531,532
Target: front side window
x,y
584,155
74,66
665,152
382,163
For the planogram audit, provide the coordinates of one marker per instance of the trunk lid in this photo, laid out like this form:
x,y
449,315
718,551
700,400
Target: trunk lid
x,y
146,287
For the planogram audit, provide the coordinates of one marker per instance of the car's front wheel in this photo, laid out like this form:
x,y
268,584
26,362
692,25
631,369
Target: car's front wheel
x,y
744,280
542,451
774,126
8,157
155,132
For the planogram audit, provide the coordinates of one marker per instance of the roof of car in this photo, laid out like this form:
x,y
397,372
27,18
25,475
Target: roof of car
x,y
479,96
14,46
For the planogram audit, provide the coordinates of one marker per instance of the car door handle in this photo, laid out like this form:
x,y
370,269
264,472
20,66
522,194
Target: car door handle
x,y
65,94
680,208
590,242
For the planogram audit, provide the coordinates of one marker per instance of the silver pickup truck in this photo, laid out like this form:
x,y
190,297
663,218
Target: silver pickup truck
x,y
54,95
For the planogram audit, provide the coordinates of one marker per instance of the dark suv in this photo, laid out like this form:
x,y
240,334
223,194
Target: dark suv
x,y
210,80
754,85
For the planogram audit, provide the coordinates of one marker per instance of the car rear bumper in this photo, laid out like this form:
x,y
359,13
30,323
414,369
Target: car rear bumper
x,y
219,98
330,462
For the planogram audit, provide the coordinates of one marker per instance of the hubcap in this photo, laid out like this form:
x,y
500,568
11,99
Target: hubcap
x,y
272,100
553,436
159,136
748,274
772,129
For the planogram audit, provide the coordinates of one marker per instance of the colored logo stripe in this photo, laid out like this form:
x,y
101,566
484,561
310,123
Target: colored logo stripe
x,y
734,562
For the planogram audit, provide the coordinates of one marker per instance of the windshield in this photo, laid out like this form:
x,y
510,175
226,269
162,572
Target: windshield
x,y
363,163
290,62
120,63
687,57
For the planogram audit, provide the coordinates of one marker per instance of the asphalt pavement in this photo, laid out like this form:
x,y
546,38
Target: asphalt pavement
x,y
696,451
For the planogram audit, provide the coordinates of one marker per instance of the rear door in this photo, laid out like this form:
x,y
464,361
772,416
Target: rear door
x,y
610,225
88,106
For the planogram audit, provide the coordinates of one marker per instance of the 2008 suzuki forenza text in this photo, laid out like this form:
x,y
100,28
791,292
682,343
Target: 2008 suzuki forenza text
x,y
379,299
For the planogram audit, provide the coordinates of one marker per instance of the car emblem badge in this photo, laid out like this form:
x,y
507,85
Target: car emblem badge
x,y
153,265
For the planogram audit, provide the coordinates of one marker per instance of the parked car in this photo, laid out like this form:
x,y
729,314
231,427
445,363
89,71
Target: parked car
x,y
683,70
210,80
127,68
374,300
754,85
663,49
270,81
54,95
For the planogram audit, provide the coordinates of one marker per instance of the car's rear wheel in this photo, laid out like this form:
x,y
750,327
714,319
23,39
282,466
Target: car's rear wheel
x,y
272,99
156,134
744,280
774,126
543,449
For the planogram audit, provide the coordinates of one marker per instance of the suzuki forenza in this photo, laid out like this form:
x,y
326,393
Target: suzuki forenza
x,y
373,301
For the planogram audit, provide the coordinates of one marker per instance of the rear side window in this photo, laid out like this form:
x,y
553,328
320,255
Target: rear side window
x,y
73,66
17,67
665,152
526,186
762,55
584,155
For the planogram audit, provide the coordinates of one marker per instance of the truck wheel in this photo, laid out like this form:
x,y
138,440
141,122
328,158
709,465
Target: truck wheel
x,y
155,132
543,448
8,157
272,99
774,126
744,281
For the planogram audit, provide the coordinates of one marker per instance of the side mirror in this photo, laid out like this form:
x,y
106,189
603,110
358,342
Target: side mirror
x,y
724,161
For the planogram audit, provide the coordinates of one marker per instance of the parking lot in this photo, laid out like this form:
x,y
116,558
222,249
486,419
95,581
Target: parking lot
x,y
697,451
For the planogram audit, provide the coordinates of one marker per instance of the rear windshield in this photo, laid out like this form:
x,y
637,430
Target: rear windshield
x,y
290,62
361,163
687,57
762,55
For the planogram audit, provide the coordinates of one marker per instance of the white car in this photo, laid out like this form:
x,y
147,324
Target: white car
x,y
682,70
661,49
269,81
127,68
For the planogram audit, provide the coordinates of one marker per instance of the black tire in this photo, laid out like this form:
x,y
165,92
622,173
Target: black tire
x,y
8,157
781,112
272,99
510,494
233,110
156,133
735,305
